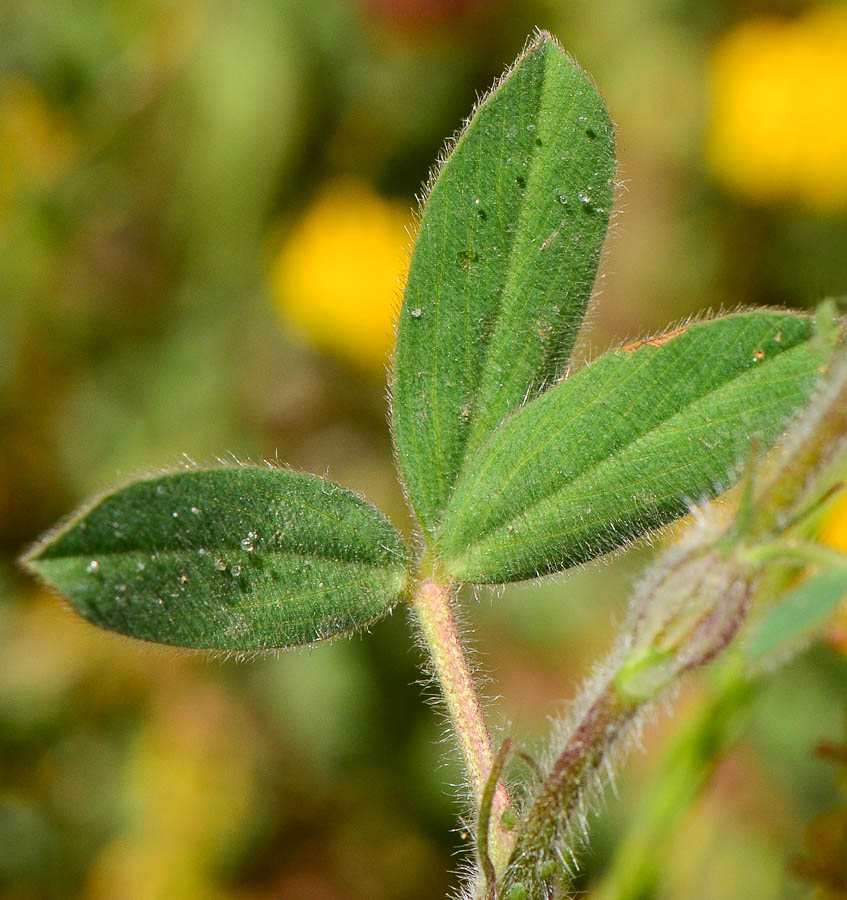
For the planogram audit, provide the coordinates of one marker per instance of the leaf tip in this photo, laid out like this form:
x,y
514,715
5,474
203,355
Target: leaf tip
x,y
541,36
29,560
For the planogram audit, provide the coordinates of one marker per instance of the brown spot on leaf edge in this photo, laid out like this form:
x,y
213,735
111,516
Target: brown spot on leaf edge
x,y
655,341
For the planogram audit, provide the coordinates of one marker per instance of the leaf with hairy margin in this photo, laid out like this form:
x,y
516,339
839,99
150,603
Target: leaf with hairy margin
x,y
232,559
503,267
623,446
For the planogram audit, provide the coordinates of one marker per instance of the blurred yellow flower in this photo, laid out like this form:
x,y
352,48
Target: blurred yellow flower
x,y
778,128
833,530
833,533
339,274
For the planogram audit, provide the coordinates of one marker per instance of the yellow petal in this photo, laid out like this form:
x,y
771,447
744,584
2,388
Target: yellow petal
x,y
339,275
777,128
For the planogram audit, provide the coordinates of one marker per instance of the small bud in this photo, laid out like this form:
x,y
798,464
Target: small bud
x,y
683,615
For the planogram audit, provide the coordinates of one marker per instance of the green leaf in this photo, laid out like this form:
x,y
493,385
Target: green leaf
x,y
798,613
502,269
233,559
624,445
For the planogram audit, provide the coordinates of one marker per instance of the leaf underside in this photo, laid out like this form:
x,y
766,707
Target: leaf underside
x,y
232,559
502,269
625,445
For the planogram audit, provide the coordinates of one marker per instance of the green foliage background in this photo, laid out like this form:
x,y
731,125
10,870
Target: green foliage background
x,y
141,194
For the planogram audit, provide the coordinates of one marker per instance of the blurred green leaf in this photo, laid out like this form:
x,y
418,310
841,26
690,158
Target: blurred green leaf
x,y
623,446
503,266
233,559
798,613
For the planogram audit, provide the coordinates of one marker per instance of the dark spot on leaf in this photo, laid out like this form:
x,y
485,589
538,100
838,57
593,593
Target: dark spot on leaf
x,y
520,181
590,133
466,257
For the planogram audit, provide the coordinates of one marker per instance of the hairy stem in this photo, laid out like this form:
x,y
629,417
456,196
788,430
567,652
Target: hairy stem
x,y
816,439
433,605
559,804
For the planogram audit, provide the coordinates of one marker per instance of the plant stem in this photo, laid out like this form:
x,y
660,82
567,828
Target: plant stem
x,y
433,605
558,806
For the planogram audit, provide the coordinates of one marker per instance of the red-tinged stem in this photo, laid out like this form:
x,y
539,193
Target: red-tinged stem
x,y
433,604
